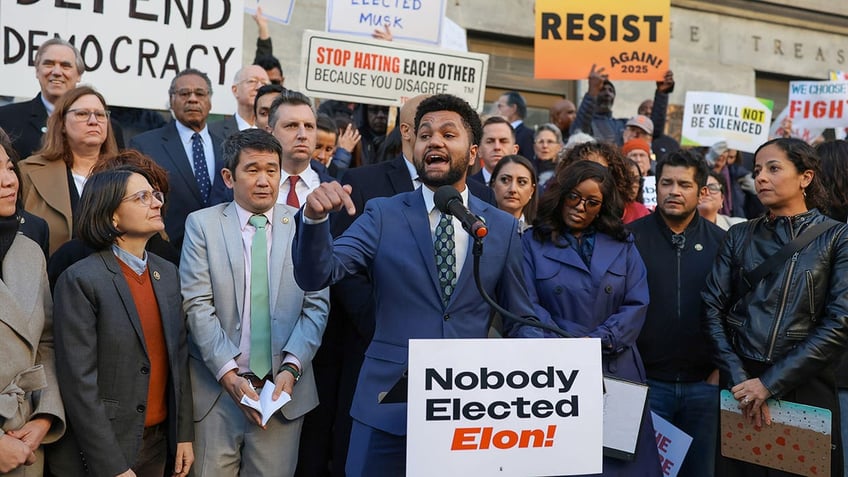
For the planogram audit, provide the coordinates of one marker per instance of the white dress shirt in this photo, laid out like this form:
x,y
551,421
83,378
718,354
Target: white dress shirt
x,y
185,139
308,182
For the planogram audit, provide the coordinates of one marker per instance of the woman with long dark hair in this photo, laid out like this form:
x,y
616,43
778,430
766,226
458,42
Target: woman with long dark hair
x,y
585,276
779,335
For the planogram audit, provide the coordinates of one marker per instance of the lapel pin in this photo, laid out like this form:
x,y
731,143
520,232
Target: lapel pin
x,y
43,129
698,247
156,275
285,220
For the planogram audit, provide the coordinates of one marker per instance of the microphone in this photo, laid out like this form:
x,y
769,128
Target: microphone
x,y
448,201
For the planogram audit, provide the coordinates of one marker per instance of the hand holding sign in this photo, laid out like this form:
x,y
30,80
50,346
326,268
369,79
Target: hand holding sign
x,y
596,80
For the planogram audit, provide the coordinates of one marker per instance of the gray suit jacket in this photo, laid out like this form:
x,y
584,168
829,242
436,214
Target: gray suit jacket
x,y
103,365
213,285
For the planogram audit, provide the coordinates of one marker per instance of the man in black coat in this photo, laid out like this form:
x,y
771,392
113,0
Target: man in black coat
x,y
679,247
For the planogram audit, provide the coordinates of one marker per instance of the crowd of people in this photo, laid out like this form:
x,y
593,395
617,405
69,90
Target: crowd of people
x,y
149,293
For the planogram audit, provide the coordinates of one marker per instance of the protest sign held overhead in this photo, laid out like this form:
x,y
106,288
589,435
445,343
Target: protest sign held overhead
x,y
630,40
128,46
409,20
505,407
379,72
279,11
742,121
818,104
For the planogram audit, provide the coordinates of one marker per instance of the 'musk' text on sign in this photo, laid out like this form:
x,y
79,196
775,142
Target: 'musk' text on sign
x,y
741,121
368,71
132,50
409,20
504,407
630,40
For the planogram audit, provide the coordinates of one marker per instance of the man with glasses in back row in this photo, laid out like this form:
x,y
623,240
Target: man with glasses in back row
x,y
245,86
188,150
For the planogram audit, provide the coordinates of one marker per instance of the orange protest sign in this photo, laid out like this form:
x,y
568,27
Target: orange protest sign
x,y
630,40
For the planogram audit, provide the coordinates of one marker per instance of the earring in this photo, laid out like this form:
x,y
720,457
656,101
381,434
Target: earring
x,y
804,191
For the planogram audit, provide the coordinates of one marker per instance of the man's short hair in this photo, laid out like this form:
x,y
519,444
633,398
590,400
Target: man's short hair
x,y
268,62
253,139
267,89
514,98
190,71
499,120
685,158
290,98
449,102
78,61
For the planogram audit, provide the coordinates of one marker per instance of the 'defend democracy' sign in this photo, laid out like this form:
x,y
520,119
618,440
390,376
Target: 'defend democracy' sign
x,y
132,49
353,69
512,407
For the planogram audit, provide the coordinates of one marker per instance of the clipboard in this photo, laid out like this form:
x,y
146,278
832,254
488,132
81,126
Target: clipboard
x,y
624,407
798,440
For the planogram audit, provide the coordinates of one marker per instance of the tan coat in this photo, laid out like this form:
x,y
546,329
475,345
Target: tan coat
x,y
44,185
27,366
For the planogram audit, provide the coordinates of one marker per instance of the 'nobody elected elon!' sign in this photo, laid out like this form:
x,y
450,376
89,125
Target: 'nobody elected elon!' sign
x,y
512,407
131,50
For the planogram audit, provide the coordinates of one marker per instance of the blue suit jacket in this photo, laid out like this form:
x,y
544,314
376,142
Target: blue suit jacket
x,y
392,240
164,146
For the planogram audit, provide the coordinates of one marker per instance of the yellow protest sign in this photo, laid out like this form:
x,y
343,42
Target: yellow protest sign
x,y
630,40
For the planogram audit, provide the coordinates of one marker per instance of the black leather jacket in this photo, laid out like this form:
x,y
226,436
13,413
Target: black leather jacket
x,y
796,319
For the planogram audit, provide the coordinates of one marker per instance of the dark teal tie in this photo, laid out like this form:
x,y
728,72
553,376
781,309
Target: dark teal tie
x,y
260,309
445,257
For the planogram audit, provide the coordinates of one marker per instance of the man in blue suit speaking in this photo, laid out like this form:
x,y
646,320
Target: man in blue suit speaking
x,y
422,269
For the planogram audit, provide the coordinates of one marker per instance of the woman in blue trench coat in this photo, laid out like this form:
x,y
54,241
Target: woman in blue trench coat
x,y
585,276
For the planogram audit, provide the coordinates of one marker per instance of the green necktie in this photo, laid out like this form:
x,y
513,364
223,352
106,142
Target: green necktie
x,y
445,257
260,309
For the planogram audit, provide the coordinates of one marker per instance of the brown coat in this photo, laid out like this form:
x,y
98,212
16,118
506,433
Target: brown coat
x,y
44,185
26,344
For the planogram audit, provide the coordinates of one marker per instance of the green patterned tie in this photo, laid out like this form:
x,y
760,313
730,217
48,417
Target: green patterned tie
x,y
445,257
260,309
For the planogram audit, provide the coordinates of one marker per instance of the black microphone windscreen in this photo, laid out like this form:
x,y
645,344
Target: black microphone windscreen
x,y
445,195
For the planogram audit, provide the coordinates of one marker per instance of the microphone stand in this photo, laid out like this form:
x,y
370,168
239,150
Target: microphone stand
x,y
477,251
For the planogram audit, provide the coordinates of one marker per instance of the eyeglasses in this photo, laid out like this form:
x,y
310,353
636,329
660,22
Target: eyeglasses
x,y
254,82
185,93
573,199
145,197
714,188
83,115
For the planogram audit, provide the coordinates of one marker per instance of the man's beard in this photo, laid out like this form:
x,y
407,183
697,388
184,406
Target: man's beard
x,y
454,174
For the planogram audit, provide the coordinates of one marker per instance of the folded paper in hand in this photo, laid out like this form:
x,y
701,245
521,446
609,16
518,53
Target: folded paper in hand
x,y
266,404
